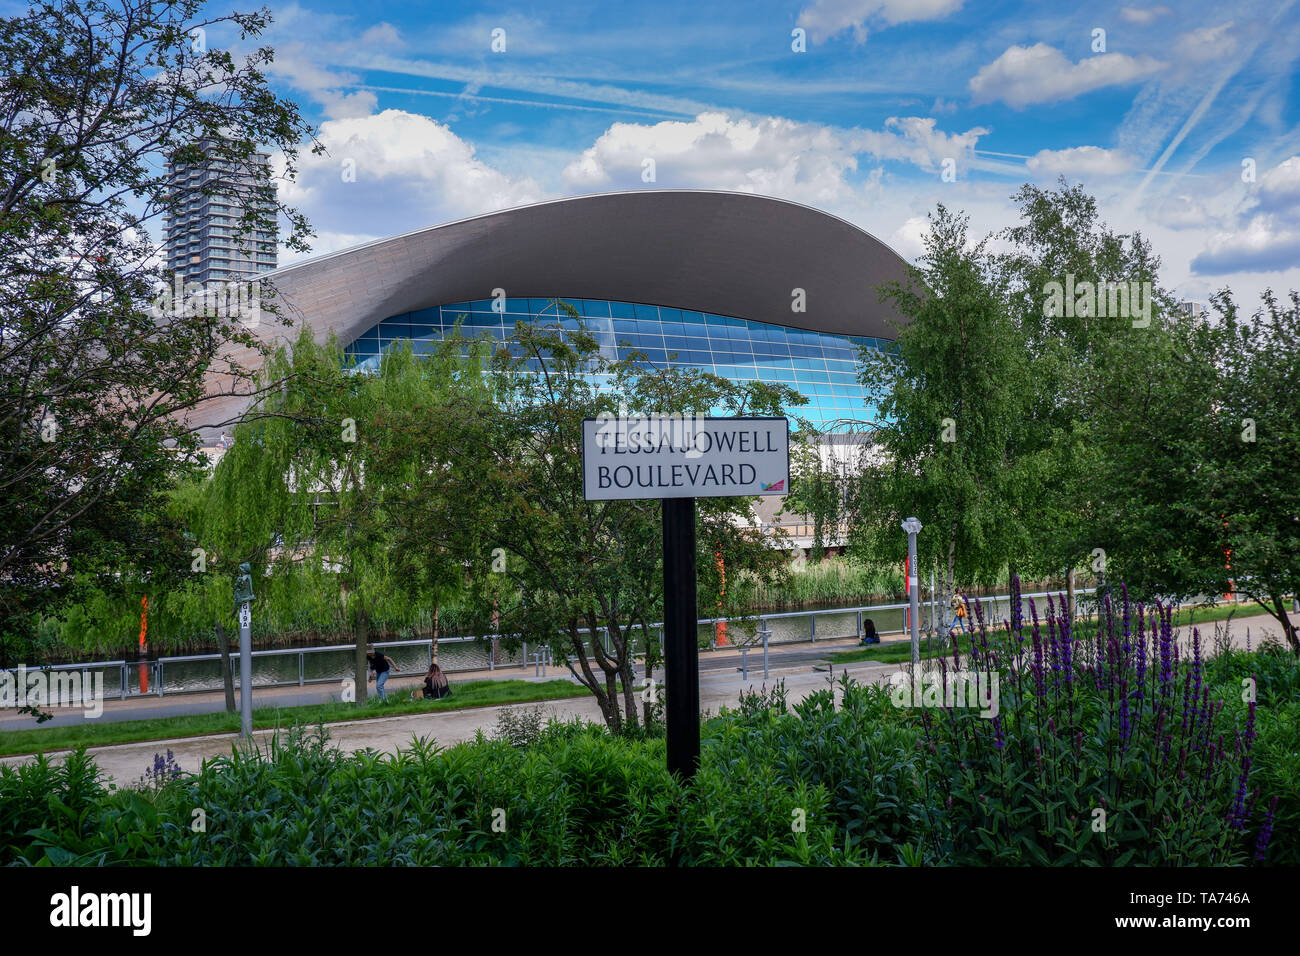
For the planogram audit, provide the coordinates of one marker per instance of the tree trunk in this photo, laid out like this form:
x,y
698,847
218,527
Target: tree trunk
x,y
1288,628
433,646
360,664
1069,593
227,675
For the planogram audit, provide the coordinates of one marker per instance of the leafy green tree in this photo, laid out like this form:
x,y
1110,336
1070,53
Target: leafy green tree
x,y
1078,360
99,393
503,491
297,498
951,394
1196,492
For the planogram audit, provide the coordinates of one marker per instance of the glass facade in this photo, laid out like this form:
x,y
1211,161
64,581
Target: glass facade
x,y
820,366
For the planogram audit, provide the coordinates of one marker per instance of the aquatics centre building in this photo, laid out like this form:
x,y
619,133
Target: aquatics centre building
x,y
744,286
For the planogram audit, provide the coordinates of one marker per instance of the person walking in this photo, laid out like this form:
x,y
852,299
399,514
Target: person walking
x,y
436,685
959,615
380,665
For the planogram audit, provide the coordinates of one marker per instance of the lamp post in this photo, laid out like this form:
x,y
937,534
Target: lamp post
x,y
243,600
913,527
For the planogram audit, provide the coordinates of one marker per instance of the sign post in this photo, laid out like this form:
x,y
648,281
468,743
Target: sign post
x,y
681,643
244,598
677,459
913,527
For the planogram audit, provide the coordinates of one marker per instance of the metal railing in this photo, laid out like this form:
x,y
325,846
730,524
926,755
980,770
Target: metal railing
x,y
301,666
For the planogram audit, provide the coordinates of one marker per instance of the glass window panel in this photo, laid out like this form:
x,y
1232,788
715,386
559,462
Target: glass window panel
x,y
692,318
595,307
647,312
622,310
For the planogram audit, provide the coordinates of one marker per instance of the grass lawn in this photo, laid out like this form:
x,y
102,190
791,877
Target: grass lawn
x,y
892,652
482,693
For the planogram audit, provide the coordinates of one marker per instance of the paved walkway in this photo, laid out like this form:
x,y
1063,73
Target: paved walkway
x,y
150,707
719,687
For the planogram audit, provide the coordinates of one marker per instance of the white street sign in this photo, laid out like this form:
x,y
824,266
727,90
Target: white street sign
x,y
667,456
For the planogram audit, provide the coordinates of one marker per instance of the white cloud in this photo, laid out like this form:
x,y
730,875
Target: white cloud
x,y
382,34
824,19
1180,212
1042,74
1204,45
1263,245
325,242
301,70
805,162
410,171
1144,16
1080,161
915,139
908,240
1279,188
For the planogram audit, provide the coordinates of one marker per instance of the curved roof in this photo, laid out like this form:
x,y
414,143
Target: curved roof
x,y
730,253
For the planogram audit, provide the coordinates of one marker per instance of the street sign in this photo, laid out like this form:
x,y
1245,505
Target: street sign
x,y
684,456
678,459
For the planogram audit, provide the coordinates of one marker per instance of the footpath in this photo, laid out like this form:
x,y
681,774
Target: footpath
x,y
124,764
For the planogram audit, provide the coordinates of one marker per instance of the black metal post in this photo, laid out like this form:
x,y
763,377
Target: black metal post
x,y
681,643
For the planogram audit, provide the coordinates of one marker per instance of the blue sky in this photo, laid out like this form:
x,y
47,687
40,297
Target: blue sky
x,y
1156,115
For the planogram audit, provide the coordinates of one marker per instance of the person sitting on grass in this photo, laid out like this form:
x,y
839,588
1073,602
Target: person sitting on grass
x,y
436,685
869,633
380,664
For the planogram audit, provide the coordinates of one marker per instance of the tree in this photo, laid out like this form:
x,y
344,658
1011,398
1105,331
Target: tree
x,y
303,493
503,491
1197,492
1077,358
95,386
951,393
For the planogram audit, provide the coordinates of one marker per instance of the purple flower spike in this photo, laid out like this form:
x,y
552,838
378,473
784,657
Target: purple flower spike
x,y
1265,832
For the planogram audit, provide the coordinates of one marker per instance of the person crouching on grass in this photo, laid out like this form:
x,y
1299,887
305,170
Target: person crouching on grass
x,y
380,665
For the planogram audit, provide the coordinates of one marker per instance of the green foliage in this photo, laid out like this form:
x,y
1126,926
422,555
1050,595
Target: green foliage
x,y
844,777
97,393
502,492
951,395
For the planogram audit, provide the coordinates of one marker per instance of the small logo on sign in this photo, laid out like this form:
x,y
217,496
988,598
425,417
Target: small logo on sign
x,y
774,486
